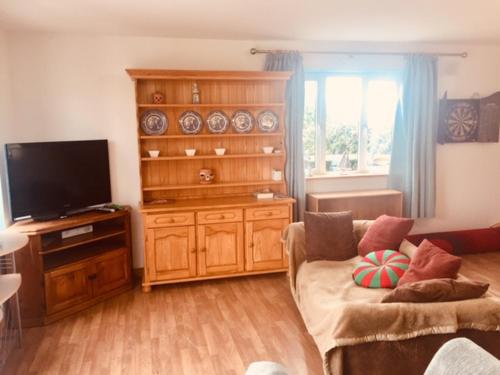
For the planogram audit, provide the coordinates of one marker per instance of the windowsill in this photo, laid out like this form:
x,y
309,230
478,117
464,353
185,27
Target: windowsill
x,y
347,175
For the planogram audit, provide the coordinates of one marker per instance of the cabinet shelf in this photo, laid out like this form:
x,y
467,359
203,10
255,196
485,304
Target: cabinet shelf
x,y
82,239
194,136
216,185
205,157
206,105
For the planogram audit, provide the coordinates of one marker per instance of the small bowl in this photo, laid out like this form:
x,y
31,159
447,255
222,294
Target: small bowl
x,y
220,151
154,153
190,151
268,149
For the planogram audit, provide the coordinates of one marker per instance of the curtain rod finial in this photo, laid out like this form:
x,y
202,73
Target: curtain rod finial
x,y
253,51
464,54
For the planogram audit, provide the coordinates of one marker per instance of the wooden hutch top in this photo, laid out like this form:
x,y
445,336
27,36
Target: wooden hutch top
x,y
171,180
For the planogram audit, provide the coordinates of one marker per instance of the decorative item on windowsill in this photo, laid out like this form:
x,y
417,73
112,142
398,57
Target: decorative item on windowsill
x,y
158,98
345,162
220,151
206,176
195,94
469,120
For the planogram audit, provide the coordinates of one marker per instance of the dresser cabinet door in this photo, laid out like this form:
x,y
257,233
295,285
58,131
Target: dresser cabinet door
x,y
67,287
110,271
171,253
263,247
220,248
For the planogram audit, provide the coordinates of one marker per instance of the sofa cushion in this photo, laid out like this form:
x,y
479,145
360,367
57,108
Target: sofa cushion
x,y
380,269
437,290
431,262
329,236
386,232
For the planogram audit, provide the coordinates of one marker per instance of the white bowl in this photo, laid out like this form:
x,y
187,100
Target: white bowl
x,y
268,149
220,151
154,153
190,151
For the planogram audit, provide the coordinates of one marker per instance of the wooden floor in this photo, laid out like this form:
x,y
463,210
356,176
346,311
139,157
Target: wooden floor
x,y
214,327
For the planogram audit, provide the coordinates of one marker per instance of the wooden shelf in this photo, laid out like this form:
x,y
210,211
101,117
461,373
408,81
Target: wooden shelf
x,y
205,157
209,105
216,185
56,260
97,235
193,136
208,203
207,75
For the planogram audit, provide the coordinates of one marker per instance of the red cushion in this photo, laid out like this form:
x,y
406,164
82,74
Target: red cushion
x,y
431,262
463,241
387,232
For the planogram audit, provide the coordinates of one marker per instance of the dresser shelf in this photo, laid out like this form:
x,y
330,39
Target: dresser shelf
x,y
209,186
214,106
199,136
220,157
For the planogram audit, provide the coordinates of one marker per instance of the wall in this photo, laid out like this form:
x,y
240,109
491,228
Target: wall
x,y
5,106
75,87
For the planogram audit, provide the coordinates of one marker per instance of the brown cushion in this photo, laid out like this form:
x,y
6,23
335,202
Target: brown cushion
x,y
329,236
431,262
437,290
386,232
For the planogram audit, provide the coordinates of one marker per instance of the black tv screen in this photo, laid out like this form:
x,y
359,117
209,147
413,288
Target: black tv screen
x,y
50,179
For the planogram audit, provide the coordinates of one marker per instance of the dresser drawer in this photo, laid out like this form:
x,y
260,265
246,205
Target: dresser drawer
x,y
170,220
220,216
268,212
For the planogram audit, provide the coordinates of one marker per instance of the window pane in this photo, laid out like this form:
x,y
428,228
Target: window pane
x,y
344,97
382,97
310,119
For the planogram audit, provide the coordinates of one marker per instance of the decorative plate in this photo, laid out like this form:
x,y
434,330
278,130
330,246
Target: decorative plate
x,y
154,122
217,122
267,121
190,122
242,121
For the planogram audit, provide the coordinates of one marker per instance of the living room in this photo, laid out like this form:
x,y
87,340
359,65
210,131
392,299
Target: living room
x,y
63,77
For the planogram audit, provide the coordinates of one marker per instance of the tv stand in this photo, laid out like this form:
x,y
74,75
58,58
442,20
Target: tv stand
x,y
63,276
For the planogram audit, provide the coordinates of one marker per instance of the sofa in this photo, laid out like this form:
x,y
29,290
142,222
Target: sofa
x,y
355,332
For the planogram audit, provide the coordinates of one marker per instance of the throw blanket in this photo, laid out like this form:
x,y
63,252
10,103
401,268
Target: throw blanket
x,y
338,313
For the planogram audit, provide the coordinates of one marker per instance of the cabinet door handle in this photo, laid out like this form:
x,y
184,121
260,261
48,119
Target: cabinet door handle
x,y
193,251
204,250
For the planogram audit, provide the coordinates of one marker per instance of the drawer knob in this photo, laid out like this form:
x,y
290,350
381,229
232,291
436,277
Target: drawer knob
x,y
269,213
222,217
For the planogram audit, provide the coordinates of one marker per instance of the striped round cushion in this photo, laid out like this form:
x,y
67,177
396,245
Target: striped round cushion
x,y
380,269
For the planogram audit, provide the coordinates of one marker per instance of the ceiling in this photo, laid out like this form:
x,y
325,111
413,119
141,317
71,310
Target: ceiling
x,y
336,20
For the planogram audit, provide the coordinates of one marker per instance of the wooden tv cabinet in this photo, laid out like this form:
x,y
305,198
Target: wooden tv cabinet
x,y
63,276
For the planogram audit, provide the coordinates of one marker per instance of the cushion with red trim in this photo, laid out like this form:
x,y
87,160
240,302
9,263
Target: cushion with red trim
x,y
380,269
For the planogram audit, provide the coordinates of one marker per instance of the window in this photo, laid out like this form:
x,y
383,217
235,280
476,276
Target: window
x,y
348,122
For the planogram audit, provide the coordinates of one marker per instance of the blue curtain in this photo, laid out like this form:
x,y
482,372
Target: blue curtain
x,y
294,170
413,159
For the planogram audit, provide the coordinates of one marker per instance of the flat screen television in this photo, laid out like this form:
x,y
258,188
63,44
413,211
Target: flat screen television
x,y
52,179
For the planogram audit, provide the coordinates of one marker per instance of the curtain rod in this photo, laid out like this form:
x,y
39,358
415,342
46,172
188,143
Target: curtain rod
x,y
463,55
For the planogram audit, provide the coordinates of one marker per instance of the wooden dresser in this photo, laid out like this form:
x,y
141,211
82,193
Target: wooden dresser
x,y
199,231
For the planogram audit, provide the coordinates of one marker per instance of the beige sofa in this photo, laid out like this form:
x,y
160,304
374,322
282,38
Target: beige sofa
x,y
355,332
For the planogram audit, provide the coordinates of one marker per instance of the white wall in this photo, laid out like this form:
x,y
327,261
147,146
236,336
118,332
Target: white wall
x,y
5,107
75,87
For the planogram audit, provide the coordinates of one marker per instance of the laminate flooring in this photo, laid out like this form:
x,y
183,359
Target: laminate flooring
x,y
213,327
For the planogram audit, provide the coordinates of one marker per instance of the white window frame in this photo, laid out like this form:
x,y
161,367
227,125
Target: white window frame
x,y
320,141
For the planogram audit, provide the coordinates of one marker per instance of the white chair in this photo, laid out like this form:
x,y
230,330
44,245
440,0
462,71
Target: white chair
x,y
10,282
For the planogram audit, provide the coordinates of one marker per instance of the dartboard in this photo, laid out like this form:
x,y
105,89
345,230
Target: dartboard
x,y
462,122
